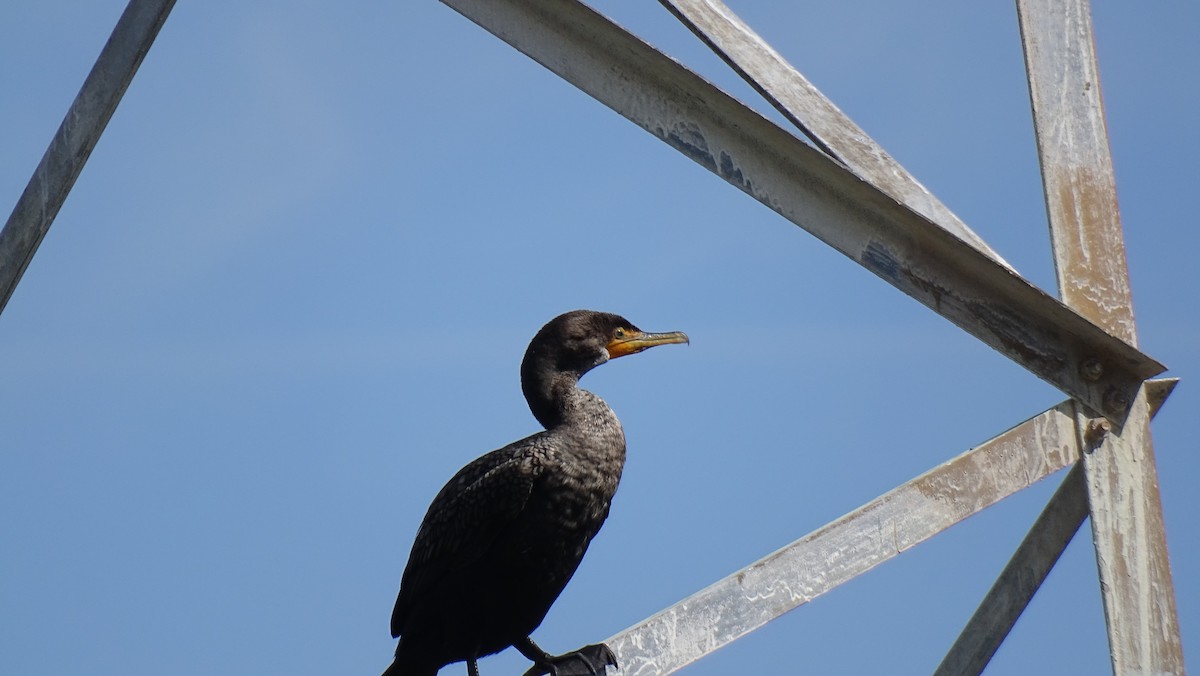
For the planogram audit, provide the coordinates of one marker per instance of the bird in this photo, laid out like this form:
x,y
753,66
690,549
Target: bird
x,y
505,534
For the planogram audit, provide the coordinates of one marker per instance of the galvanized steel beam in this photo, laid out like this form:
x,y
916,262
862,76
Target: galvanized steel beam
x,y
805,106
1020,579
76,137
815,192
1131,547
1077,171
849,546
1089,252
1029,566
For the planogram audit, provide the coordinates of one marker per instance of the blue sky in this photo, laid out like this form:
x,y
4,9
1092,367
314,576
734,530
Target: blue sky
x,y
289,294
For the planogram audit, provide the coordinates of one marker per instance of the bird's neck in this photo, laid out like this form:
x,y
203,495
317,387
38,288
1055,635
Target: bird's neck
x,y
549,397
589,442
558,401
592,439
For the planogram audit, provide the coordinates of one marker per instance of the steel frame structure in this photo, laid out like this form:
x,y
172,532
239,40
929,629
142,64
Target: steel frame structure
x,y
849,193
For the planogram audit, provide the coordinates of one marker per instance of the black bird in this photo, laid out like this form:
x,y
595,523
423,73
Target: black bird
x,y
505,534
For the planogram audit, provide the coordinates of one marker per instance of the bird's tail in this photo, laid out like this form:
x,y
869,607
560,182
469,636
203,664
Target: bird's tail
x,y
396,669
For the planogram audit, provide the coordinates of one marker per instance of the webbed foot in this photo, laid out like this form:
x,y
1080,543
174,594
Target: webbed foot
x,y
587,661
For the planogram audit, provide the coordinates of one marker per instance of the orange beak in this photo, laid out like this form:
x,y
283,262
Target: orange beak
x,y
636,341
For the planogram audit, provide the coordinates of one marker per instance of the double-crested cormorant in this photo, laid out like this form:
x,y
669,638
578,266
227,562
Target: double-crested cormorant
x,y
505,534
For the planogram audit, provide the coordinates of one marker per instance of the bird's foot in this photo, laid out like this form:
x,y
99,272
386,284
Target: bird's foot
x,y
589,660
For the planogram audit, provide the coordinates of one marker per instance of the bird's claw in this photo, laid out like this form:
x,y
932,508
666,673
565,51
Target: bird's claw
x,y
589,660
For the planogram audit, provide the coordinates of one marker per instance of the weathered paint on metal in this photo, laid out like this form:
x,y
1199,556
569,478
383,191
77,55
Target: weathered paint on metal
x,y
1077,171
820,195
76,136
1029,566
1131,548
849,546
822,122
1081,200
1020,579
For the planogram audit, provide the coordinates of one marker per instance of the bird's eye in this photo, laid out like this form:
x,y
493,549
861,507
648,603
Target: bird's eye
x,y
620,332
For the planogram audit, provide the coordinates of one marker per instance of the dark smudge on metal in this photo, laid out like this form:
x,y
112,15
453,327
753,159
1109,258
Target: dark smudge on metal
x,y
1007,328
732,173
879,260
689,140
1011,334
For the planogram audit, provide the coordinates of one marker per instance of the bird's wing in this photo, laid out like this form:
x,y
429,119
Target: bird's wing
x,y
465,517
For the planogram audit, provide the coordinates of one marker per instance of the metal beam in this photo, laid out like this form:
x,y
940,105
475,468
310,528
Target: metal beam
x,y
1131,549
805,106
76,137
818,194
1077,172
1031,563
1029,566
1085,225
1020,580
849,546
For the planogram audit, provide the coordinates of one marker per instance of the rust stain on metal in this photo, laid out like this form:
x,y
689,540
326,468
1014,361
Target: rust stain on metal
x,y
1093,276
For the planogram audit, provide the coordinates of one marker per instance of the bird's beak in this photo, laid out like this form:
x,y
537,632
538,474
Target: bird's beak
x,y
636,341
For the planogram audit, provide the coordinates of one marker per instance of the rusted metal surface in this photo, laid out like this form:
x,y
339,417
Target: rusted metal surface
x,y
820,195
1131,548
1121,478
820,120
1037,554
849,546
1077,173
76,136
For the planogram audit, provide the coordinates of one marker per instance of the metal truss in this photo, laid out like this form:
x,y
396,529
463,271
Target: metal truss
x,y
851,194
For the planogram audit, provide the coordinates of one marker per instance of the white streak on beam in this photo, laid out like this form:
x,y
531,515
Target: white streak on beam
x,y
849,546
1029,565
1089,256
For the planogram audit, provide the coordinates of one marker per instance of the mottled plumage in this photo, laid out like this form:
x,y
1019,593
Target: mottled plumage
x,y
506,533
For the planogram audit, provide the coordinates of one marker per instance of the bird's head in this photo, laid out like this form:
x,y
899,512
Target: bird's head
x,y
574,343
578,341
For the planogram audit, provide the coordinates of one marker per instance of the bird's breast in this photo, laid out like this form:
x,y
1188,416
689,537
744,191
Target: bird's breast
x,y
573,494
578,497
